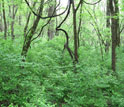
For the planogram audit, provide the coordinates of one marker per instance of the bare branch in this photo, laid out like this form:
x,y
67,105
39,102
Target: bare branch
x,y
46,23
42,29
47,16
79,4
92,3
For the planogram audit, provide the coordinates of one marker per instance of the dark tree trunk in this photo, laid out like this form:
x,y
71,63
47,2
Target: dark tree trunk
x,y
75,33
114,30
1,25
117,22
31,32
4,18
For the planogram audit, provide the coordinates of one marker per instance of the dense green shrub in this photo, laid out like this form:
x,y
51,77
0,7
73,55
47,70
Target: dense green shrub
x,y
48,80
19,86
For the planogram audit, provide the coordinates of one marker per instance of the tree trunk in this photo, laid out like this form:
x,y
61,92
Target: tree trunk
x,y
1,25
9,21
27,22
14,11
75,33
117,22
4,18
114,30
51,30
31,32
108,26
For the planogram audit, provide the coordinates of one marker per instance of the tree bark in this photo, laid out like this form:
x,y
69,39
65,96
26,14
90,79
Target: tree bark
x,y
75,33
28,19
51,30
14,11
9,21
114,30
1,25
31,32
117,22
4,18
108,25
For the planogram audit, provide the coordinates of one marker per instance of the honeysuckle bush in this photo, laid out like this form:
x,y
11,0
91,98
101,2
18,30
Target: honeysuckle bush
x,y
47,78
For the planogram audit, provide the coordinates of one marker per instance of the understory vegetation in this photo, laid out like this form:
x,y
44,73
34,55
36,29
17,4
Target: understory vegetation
x,y
61,53
47,79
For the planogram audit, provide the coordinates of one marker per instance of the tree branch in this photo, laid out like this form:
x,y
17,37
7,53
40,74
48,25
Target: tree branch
x,y
47,16
92,3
